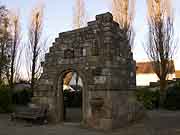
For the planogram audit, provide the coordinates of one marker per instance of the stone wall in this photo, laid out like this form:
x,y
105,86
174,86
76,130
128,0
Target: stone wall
x,y
101,55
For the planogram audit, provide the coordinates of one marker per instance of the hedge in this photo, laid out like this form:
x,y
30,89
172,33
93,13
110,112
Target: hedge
x,y
150,99
9,98
172,101
6,105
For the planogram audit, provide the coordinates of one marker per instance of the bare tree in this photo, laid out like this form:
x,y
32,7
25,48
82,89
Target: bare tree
x,y
79,20
18,64
80,17
16,40
160,46
5,43
35,45
123,12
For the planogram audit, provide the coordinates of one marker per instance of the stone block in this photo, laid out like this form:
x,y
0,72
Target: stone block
x,y
106,124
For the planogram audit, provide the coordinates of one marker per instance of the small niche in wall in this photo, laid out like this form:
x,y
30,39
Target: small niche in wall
x,y
83,52
69,53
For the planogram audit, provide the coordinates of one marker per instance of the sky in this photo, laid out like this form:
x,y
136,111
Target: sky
x,y
58,17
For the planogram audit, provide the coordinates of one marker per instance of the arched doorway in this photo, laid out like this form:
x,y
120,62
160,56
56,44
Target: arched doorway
x,y
70,96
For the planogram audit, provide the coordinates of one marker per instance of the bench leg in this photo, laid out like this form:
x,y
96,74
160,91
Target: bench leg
x,y
12,117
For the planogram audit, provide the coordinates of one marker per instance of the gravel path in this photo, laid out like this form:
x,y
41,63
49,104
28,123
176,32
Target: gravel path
x,y
158,123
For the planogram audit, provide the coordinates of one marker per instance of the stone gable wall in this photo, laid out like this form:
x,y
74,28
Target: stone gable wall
x,y
99,53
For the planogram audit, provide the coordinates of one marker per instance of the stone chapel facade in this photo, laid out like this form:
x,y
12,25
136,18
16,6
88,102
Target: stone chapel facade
x,y
102,57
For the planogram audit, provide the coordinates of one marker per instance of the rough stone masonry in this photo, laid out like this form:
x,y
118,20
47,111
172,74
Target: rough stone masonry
x,y
101,55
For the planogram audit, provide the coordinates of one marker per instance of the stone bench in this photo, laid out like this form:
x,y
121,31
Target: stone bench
x,y
35,114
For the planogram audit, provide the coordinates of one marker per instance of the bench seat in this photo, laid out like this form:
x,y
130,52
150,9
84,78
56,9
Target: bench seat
x,y
36,114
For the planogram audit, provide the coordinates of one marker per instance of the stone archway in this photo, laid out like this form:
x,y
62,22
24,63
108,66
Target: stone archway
x,y
59,95
102,56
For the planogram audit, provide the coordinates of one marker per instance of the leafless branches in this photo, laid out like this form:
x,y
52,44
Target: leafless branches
x,y
160,47
5,43
79,20
124,12
80,17
35,44
15,26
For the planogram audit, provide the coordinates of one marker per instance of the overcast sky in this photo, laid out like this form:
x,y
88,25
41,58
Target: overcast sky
x,y
59,18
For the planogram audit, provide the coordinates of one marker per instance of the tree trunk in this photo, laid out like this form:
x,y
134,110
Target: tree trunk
x,y
77,78
35,55
1,62
13,56
163,84
33,68
33,74
12,65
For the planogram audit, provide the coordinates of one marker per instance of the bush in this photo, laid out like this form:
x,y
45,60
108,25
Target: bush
x,y
5,100
150,99
172,101
22,97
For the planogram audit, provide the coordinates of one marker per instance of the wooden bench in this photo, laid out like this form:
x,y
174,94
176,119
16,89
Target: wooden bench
x,y
35,114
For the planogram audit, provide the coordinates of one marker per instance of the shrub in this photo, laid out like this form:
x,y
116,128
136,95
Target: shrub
x,y
22,97
172,101
150,99
5,100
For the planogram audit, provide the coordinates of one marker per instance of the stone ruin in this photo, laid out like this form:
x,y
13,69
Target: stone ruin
x,y
102,57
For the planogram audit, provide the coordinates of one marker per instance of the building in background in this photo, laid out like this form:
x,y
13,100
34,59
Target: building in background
x,y
145,73
177,74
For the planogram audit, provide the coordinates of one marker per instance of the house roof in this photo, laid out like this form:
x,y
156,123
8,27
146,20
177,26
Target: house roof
x,y
177,73
146,67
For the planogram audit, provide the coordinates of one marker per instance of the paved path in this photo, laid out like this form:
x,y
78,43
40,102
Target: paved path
x,y
157,123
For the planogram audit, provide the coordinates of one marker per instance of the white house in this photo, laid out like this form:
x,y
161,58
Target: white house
x,y
145,74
